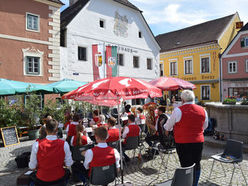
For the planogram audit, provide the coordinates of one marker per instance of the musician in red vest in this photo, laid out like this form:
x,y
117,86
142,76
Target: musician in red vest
x,y
49,156
101,155
113,132
71,128
130,130
188,123
96,119
81,137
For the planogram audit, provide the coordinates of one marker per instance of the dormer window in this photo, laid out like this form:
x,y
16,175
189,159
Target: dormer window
x,y
244,42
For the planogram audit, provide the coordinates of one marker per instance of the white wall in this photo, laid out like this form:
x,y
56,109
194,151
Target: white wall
x,y
84,30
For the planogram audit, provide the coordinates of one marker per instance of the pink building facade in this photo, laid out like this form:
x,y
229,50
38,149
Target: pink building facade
x,y
29,40
234,62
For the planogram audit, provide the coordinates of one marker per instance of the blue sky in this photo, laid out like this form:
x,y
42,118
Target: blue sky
x,y
169,15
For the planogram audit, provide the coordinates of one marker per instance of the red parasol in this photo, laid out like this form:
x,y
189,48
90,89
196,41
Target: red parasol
x,y
114,88
171,83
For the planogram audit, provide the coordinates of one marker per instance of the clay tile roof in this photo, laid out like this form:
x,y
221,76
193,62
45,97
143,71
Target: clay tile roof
x,y
198,34
56,1
68,14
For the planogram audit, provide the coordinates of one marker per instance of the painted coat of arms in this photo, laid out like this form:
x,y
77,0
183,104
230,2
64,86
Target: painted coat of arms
x,y
121,25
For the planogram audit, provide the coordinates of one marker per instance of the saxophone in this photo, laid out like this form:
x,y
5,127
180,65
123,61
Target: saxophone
x,y
150,121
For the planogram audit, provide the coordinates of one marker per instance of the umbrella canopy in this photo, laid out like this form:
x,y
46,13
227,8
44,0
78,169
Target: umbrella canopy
x,y
66,85
171,83
10,87
114,88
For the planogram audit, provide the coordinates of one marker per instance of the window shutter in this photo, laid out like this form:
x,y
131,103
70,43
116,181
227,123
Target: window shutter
x,y
26,65
38,66
242,42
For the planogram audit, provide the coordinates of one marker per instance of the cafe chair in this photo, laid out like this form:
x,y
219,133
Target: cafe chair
x,y
132,143
103,175
182,177
233,154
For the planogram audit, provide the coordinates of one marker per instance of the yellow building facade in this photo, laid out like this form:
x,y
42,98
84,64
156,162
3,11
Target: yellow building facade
x,y
199,63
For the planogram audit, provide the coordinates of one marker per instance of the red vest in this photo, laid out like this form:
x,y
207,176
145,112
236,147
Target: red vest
x,y
83,140
102,157
113,135
66,124
102,125
72,130
133,130
190,128
50,158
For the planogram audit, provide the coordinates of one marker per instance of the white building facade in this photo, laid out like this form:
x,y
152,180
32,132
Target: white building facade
x,y
108,22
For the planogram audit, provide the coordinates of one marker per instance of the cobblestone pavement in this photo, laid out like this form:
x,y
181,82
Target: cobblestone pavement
x,y
137,172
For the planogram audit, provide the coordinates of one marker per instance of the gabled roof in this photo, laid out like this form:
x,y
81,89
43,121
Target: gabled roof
x,y
198,34
56,1
228,48
68,14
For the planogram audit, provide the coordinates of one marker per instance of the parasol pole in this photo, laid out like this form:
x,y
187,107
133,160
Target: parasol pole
x,y
119,124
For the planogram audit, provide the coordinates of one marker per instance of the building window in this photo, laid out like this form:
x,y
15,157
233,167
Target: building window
x,y
237,92
138,101
32,22
135,62
32,65
244,42
161,68
82,54
149,63
188,67
246,65
121,59
140,34
205,92
205,65
232,67
173,68
102,23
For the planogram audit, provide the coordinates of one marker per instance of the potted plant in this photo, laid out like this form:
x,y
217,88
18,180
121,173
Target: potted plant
x,y
244,101
31,114
229,101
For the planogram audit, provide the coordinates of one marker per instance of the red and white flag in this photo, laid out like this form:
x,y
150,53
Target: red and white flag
x,y
98,60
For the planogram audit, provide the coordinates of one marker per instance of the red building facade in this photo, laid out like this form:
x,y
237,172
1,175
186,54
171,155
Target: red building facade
x,y
234,63
29,40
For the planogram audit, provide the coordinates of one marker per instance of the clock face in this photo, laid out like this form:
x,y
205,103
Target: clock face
x,y
121,25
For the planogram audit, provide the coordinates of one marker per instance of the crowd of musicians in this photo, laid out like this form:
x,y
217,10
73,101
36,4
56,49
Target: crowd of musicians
x,y
51,156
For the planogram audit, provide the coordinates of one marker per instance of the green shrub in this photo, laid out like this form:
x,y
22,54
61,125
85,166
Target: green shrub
x,y
229,101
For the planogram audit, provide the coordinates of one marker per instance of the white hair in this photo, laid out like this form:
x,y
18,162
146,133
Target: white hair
x,y
102,118
188,96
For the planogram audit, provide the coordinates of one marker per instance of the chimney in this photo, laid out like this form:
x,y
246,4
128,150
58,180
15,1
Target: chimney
x,y
72,2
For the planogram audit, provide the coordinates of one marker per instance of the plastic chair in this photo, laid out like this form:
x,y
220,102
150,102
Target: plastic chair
x,y
233,153
182,176
103,175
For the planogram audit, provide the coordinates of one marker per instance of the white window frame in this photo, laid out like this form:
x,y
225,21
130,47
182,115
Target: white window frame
x,y
192,65
104,23
151,63
176,68
86,53
246,65
161,69
138,62
205,56
28,13
122,58
209,91
32,53
236,64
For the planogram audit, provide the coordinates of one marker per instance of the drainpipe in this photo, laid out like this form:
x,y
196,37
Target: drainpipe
x,y
220,78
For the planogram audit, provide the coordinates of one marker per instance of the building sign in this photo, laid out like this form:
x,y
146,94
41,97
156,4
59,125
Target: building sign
x,y
121,25
239,25
189,78
126,49
207,77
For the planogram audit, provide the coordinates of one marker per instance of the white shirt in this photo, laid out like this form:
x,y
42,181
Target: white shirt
x,y
89,156
88,139
176,117
139,121
35,147
156,124
126,130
